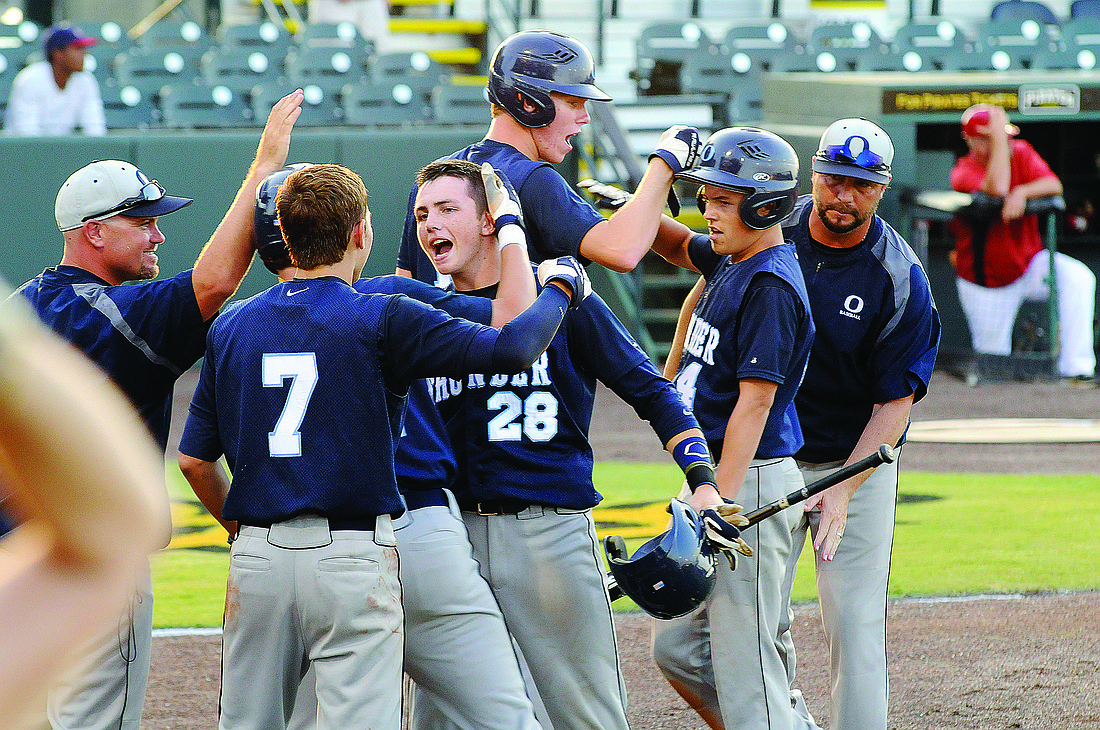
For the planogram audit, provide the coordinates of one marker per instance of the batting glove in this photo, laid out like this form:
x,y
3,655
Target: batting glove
x,y
502,207
607,197
569,271
678,147
722,534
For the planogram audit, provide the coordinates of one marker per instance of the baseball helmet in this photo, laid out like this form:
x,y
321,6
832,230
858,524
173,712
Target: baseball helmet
x,y
267,236
672,574
756,162
531,64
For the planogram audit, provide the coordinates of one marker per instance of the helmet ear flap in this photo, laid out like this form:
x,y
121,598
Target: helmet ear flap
x,y
779,204
701,200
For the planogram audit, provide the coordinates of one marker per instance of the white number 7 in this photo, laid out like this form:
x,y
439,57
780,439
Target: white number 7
x,y
301,368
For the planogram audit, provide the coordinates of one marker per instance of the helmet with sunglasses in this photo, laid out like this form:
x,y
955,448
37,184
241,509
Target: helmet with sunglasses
x,y
107,188
672,574
529,65
755,162
855,148
267,236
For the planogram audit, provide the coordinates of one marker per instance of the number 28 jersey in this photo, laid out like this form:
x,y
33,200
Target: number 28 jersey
x,y
525,436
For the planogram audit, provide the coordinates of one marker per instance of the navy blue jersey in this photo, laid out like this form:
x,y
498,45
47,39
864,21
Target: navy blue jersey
x,y
556,217
303,387
877,332
525,436
752,320
145,336
424,457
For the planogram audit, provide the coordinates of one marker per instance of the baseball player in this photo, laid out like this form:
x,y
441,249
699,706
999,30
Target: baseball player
x,y
302,389
457,647
524,479
746,348
144,337
539,82
872,358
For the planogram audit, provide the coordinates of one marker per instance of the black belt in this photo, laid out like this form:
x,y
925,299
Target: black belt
x,y
415,499
334,523
495,506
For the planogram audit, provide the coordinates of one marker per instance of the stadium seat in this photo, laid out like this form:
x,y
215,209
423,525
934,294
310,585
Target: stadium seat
x,y
1023,10
846,42
108,33
334,35
99,60
263,36
320,107
460,104
404,65
149,70
176,35
329,68
126,107
892,60
380,103
1018,39
1084,9
932,39
203,106
660,51
240,68
759,44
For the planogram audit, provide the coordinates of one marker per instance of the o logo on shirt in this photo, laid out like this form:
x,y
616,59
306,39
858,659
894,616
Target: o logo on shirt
x,y
853,304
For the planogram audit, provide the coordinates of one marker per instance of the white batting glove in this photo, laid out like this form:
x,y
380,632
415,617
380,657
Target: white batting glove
x,y
502,207
569,271
678,147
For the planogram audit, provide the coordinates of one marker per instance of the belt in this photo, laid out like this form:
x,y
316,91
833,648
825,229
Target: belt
x,y
367,523
496,506
415,499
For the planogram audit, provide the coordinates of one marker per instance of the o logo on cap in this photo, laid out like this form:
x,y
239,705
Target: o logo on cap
x,y
708,153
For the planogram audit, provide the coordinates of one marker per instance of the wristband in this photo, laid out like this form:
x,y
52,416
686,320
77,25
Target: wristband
x,y
693,457
510,233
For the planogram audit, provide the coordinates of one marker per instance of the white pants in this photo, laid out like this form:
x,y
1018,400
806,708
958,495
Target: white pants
x,y
991,311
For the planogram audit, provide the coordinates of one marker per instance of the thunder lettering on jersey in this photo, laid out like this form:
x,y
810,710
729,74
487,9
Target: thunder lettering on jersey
x,y
525,436
752,320
877,332
556,217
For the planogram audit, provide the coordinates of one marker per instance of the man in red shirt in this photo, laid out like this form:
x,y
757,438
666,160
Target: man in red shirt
x,y
1004,263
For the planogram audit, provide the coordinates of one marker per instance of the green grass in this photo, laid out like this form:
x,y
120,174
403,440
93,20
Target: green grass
x,y
956,534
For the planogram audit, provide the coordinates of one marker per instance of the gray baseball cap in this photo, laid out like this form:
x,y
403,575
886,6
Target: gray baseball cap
x,y
855,148
107,188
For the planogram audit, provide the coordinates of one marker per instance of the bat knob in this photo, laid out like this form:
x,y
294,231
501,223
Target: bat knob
x,y
886,454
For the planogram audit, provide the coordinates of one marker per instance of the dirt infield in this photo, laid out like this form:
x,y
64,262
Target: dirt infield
x,y
981,664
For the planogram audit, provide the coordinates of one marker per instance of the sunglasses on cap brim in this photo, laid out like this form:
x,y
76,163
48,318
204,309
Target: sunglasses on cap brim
x,y
149,192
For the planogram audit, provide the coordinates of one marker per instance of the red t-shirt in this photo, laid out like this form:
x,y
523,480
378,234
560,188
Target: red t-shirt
x,y
1009,247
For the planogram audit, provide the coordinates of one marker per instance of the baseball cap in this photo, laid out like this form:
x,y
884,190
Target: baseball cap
x,y
108,188
976,117
855,148
63,36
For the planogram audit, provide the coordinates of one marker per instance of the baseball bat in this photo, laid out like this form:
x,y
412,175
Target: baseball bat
x,y
884,455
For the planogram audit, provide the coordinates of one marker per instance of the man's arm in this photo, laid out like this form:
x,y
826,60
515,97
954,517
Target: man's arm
x,y
93,122
888,422
741,440
211,485
23,110
1017,198
516,290
621,241
227,255
676,350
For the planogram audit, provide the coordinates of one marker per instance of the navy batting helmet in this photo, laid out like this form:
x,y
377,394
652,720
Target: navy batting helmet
x,y
756,162
267,236
531,64
672,574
